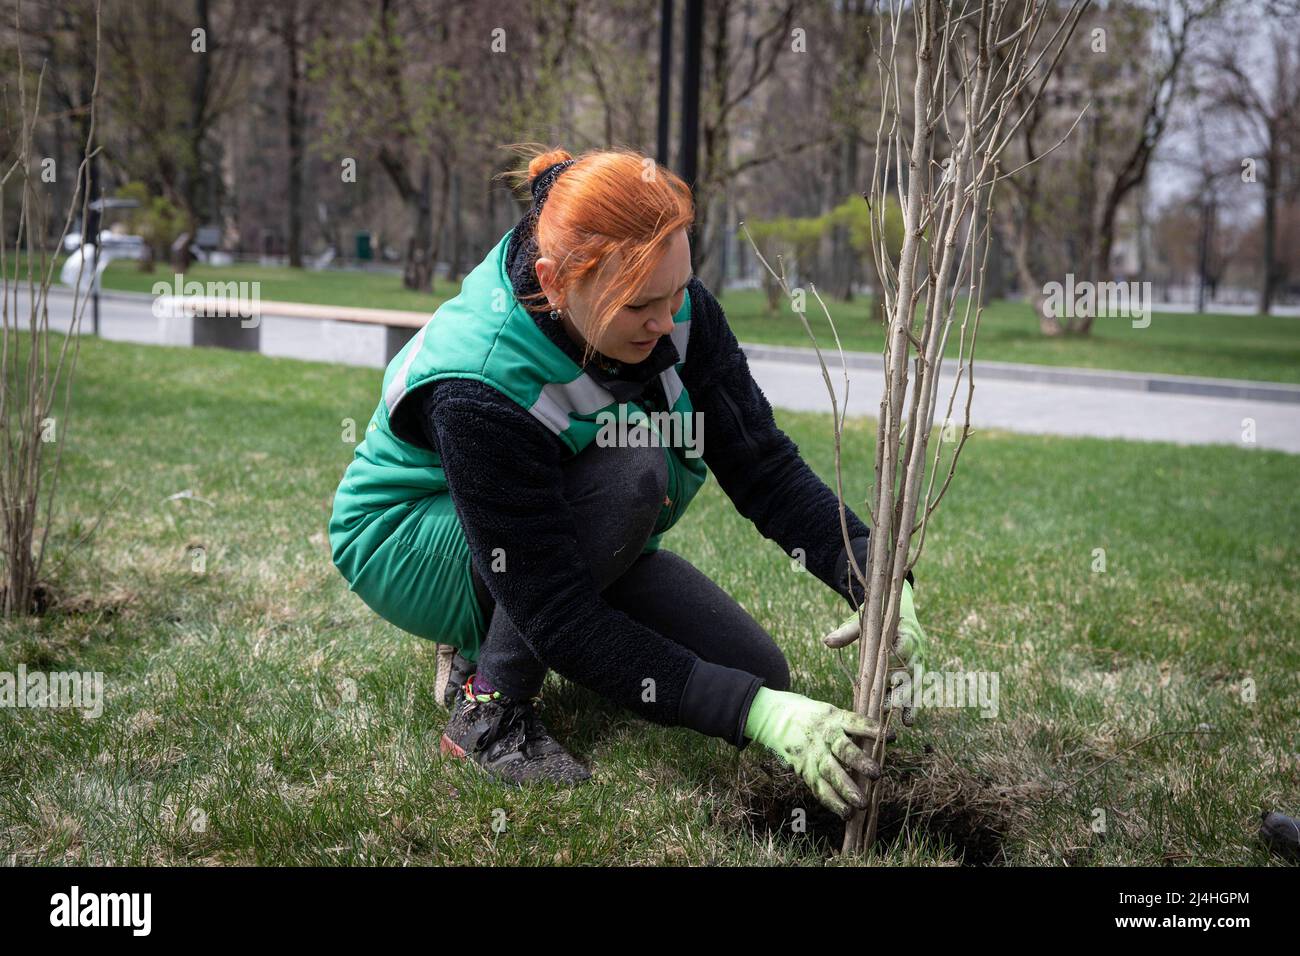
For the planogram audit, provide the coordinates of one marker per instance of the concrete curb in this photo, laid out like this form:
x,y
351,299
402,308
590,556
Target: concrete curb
x,y
117,294
1053,375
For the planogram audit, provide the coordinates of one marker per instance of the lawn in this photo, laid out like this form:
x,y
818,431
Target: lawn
x,y
1262,348
257,712
372,290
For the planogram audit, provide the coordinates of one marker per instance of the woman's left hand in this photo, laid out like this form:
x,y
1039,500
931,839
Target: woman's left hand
x,y
910,647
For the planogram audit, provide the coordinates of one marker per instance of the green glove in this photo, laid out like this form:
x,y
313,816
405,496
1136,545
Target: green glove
x,y
811,736
911,646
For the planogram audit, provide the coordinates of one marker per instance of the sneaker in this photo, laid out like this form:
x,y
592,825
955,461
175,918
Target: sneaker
x,y
506,738
458,671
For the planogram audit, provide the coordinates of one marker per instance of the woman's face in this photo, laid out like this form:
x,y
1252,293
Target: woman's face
x,y
635,330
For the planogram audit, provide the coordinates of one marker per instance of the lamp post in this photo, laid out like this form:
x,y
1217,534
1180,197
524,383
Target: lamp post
x,y
93,225
665,80
94,228
688,148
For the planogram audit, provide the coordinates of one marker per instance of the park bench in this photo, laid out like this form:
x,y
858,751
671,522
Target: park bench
x,y
214,325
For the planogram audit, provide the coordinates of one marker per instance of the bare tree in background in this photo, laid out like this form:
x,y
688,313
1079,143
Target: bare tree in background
x,y
295,24
1210,161
1261,95
412,88
735,69
63,37
1177,23
852,75
1128,68
35,369
175,130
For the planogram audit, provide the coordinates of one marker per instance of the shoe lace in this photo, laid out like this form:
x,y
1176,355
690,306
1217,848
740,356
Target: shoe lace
x,y
522,717
517,727
532,715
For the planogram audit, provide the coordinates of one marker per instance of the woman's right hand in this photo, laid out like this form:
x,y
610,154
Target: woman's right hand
x,y
813,738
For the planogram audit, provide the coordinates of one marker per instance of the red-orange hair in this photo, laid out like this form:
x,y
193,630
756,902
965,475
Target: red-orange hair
x,y
611,205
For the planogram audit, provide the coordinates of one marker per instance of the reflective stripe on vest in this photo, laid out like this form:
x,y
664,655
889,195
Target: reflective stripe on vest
x,y
585,396
397,387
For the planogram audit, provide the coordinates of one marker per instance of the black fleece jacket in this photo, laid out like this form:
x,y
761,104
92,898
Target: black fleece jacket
x,y
503,470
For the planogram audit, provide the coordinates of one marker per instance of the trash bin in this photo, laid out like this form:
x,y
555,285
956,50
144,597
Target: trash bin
x,y
363,246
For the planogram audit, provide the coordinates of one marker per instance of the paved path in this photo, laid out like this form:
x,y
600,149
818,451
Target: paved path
x,y
1031,399
1055,409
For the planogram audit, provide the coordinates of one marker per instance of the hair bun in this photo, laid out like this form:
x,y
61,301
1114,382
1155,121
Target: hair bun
x,y
543,161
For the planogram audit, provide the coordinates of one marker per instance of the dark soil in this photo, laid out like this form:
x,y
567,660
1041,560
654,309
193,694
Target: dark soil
x,y
969,815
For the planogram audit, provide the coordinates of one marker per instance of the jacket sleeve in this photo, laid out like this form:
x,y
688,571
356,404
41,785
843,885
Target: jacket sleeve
x,y
504,472
756,463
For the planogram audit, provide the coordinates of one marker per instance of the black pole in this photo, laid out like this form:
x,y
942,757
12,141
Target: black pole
x,y
92,228
688,162
665,80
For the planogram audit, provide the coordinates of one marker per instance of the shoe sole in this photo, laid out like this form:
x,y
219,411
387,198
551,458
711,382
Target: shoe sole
x,y
449,746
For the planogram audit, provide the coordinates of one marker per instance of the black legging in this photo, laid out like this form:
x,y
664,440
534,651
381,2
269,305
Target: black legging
x,y
660,590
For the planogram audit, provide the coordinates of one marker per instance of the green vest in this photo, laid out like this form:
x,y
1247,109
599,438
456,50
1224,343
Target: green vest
x,y
486,334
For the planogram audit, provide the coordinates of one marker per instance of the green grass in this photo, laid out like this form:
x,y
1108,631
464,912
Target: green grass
x,y
1263,348
226,689
372,290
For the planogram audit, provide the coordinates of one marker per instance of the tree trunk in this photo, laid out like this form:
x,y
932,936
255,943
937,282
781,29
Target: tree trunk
x,y
192,172
1031,289
417,274
294,120
457,241
707,262
1270,229
844,259
995,283
1203,252
440,227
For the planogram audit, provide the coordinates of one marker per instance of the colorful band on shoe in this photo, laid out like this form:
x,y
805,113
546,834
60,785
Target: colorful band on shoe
x,y
476,688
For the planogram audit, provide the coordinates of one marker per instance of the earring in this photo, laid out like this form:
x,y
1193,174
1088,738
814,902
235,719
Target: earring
x,y
555,315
